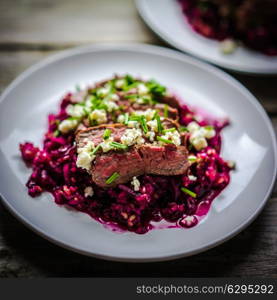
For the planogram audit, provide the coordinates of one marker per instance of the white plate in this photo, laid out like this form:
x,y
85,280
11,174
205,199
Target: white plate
x,y
249,141
166,19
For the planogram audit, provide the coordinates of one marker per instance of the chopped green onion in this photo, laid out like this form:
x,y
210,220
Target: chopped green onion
x,y
209,127
126,119
166,111
56,133
132,96
169,130
106,134
183,129
143,124
160,127
135,118
96,149
112,178
164,140
118,145
192,158
189,192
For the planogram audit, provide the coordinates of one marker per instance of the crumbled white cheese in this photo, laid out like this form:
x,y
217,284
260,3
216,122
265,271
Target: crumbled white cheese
x,y
111,106
142,89
84,160
136,184
114,97
88,192
106,144
192,178
88,147
173,136
193,126
209,133
133,124
99,115
153,125
150,135
103,92
67,125
199,143
228,46
199,135
119,83
131,137
120,119
76,110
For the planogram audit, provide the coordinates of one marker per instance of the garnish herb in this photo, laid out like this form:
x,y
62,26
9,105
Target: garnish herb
x,y
183,129
143,124
160,127
189,192
96,149
164,140
169,130
112,178
118,145
126,119
106,134
56,133
166,111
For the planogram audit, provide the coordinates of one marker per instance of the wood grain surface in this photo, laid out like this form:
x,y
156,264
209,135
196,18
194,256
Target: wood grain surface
x,y
30,30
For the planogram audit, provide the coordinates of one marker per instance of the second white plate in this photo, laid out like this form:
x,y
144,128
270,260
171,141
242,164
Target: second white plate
x,y
166,19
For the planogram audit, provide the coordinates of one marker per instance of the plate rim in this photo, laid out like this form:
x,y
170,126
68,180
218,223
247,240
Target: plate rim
x,y
152,49
140,5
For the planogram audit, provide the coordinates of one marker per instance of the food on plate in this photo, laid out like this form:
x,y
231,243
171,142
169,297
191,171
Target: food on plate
x,y
127,152
252,22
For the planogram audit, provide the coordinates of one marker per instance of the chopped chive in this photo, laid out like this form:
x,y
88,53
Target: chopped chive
x,y
118,145
112,178
160,127
169,130
164,140
56,133
106,134
192,158
143,124
189,192
183,129
96,149
135,118
126,119
209,127
166,111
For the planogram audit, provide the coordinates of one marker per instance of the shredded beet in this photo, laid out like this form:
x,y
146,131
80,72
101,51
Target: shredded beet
x,y
159,197
252,22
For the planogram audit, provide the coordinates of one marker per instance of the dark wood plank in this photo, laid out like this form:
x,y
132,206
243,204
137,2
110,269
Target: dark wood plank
x,y
71,22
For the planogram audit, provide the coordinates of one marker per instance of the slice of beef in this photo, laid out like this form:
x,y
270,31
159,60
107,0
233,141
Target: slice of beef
x,y
95,134
164,160
137,160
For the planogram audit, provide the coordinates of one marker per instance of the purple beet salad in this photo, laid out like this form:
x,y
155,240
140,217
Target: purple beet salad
x,y
251,22
128,153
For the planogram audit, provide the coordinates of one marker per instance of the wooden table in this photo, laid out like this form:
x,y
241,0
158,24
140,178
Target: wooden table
x,y
30,30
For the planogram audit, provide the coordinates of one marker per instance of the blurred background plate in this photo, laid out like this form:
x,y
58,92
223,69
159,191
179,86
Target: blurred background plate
x,y
166,19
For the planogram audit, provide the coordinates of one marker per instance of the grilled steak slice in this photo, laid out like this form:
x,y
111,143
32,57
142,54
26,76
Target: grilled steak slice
x,y
164,160
128,164
138,159
95,134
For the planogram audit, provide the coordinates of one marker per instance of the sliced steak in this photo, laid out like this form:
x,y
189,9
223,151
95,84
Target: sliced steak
x,y
137,160
164,160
